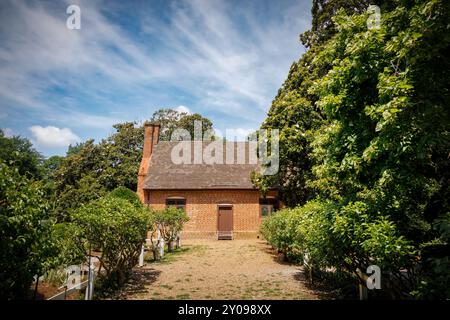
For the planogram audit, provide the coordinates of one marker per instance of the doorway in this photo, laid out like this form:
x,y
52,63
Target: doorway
x,y
225,222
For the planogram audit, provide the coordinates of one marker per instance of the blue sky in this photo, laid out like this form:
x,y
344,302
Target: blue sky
x,y
223,59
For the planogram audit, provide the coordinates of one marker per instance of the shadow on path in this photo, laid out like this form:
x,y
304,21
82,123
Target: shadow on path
x,y
140,279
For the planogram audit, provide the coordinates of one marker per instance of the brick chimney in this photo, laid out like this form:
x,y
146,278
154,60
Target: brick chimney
x,y
151,137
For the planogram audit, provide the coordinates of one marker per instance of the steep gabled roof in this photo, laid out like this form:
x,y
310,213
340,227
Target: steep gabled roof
x,y
163,173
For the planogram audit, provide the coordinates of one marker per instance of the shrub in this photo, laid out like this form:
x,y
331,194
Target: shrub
x,y
344,238
68,251
117,229
171,223
126,194
280,231
25,230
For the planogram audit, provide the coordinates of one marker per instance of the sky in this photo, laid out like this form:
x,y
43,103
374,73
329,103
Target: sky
x,y
223,59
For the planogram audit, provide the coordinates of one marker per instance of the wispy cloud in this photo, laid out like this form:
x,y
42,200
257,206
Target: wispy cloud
x,y
183,109
224,59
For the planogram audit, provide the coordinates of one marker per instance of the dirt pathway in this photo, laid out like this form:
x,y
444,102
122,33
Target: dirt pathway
x,y
238,269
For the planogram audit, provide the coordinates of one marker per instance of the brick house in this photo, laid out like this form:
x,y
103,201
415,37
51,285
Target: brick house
x,y
219,198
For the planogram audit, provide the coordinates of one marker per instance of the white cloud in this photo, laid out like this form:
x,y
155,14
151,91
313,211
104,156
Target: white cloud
x,y
183,109
8,132
53,137
238,134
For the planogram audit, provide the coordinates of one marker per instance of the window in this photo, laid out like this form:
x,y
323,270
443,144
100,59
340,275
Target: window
x,y
267,206
178,203
266,210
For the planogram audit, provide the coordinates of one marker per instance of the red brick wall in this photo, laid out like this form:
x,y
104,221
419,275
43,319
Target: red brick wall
x,y
202,206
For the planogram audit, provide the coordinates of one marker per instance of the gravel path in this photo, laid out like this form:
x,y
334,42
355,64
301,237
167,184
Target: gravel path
x,y
238,269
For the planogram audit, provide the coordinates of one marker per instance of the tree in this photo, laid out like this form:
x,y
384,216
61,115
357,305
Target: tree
x,y
385,145
51,165
294,112
170,120
92,170
323,11
126,194
155,241
25,229
188,122
372,150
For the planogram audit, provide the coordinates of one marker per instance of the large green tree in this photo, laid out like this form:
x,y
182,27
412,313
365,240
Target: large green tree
x,y
294,112
19,152
384,147
170,120
378,151
91,170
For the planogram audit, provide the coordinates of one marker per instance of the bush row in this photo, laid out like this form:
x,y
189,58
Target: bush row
x,y
346,239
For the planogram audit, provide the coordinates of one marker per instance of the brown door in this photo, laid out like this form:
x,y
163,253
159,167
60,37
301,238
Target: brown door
x,y
225,223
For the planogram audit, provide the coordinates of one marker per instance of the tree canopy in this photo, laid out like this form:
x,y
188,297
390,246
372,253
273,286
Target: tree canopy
x,y
19,152
170,120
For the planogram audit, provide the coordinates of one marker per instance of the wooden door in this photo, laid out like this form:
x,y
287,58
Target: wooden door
x,y
225,223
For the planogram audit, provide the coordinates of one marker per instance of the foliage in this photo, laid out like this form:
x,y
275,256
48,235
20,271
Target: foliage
x,y
345,240
435,274
25,230
294,112
65,238
170,120
168,223
376,156
19,152
386,143
280,230
322,12
127,194
117,229
171,221
93,170
187,123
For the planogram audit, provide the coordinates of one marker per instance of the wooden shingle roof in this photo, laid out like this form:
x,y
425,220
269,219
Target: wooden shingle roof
x,y
164,174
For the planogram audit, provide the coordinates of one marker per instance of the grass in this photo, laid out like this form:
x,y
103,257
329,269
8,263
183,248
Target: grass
x,y
170,257
166,286
183,296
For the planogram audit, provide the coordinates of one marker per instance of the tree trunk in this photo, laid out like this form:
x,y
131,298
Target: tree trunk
x,y
156,255
170,246
178,243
